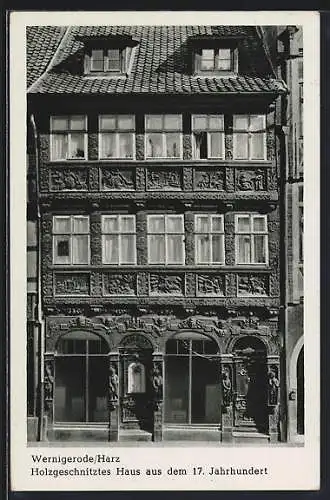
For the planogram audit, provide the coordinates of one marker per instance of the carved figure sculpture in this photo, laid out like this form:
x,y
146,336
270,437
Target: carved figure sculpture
x,y
157,383
226,388
113,384
273,385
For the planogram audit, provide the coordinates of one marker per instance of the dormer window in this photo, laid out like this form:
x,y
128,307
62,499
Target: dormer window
x,y
216,60
109,60
214,55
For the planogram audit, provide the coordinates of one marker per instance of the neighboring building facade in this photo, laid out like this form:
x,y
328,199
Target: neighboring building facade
x,y
155,166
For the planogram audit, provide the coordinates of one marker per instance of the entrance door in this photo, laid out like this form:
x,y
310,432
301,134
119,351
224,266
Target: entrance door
x,y
250,385
136,393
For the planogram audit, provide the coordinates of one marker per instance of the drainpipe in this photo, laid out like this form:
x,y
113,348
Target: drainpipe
x,y
38,311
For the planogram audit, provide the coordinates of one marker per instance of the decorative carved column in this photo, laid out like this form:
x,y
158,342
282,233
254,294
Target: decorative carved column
x,y
157,378
273,385
227,398
48,388
113,396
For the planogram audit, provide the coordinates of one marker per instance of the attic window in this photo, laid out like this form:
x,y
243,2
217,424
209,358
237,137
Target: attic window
x,y
216,60
105,61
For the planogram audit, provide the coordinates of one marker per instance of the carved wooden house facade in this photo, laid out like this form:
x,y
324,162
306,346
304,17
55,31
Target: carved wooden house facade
x,y
156,167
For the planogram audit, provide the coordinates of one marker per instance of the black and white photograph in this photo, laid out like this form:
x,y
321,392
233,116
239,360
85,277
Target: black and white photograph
x,y
164,242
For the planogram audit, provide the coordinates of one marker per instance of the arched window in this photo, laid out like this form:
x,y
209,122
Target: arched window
x,y
81,378
136,378
192,379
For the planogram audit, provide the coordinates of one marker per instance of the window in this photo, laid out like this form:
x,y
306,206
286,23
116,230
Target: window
x,y
249,137
208,136
118,239
68,137
209,239
251,239
163,136
71,239
116,136
165,239
106,60
216,60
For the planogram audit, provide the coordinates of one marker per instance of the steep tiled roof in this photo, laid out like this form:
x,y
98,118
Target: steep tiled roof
x,y
41,44
160,65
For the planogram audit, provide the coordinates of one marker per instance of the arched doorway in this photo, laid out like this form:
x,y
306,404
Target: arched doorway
x,y
300,393
250,385
192,380
81,377
135,386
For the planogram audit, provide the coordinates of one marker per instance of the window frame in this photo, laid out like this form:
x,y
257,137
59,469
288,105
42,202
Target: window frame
x,y
165,234
120,234
216,60
70,236
210,234
208,131
67,133
116,132
251,233
250,134
106,70
163,132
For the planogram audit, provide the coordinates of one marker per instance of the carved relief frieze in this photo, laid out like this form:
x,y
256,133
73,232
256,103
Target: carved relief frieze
x,y
72,284
252,285
250,180
119,284
166,179
68,179
209,179
210,284
166,284
117,179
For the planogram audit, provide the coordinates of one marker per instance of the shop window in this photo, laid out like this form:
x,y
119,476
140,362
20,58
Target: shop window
x,y
166,239
163,136
208,136
68,137
251,239
192,380
71,239
116,137
81,378
249,133
118,239
209,239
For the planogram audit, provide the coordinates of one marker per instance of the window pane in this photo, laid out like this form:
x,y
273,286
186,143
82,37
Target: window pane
x,y
257,146
97,60
70,389
173,149
177,389
174,249
77,147
172,122
224,59
59,123
114,60
108,145
127,224
110,249
244,250
62,250
202,249
217,248
241,150
243,224
59,147
62,225
200,122
110,224
126,122
217,223
259,249
216,144
200,145
259,224
241,122
127,249
107,122
77,123
155,146
202,224
154,122
156,224
216,122
174,224
207,60
80,249
156,249
257,122
125,145
80,224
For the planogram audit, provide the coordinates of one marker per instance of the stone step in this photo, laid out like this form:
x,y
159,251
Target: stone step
x,y
134,435
80,434
191,434
245,437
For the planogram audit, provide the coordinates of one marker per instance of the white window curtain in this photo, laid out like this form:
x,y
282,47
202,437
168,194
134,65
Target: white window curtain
x,y
166,239
251,239
209,239
119,239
